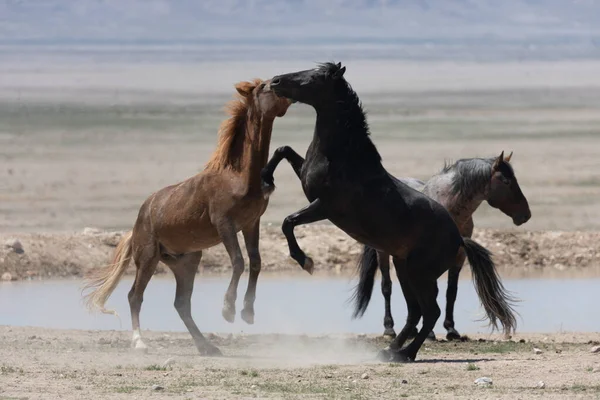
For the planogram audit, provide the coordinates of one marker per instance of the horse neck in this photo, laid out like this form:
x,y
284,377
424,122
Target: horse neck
x,y
460,207
256,149
341,131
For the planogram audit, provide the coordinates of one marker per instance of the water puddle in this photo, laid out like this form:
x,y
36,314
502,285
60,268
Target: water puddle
x,y
295,305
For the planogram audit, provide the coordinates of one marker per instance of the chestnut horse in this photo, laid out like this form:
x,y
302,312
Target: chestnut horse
x,y
176,223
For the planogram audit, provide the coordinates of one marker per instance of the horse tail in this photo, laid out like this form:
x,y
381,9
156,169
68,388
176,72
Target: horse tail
x,y
104,280
496,300
367,268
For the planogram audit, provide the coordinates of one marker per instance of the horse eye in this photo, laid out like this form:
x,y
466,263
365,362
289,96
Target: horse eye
x,y
504,180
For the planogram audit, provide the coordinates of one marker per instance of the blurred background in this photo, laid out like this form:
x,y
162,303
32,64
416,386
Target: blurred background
x,y
103,102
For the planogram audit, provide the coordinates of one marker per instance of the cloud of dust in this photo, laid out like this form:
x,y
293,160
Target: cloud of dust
x,y
291,351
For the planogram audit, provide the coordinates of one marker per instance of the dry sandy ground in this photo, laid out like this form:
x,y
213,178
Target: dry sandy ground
x,y
517,254
47,364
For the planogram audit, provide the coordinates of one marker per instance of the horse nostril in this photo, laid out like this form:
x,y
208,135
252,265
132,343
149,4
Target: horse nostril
x,y
275,81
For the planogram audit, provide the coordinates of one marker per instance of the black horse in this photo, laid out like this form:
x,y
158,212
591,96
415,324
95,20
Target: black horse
x,y
345,182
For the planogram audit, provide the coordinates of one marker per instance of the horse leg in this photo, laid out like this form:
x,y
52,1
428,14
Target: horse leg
x,y
426,291
229,238
251,236
146,259
311,213
413,315
400,266
383,260
184,268
279,154
451,297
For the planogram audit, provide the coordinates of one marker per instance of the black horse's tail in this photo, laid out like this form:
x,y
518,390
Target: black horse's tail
x,y
494,297
367,268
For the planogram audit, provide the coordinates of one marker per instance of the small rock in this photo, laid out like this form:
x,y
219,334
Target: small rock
x,y
595,349
189,390
365,376
170,361
541,385
404,382
91,231
157,387
328,376
354,381
103,341
537,351
253,387
7,277
596,370
349,377
14,244
483,381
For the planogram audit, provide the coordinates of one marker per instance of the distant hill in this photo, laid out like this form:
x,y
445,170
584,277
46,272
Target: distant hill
x,y
565,25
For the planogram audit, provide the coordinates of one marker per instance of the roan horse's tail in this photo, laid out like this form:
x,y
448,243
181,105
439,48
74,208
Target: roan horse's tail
x,y
367,268
104,280
495,299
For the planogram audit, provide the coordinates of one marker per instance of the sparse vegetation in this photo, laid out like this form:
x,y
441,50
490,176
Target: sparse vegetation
x,y
156,367
126,389
472,367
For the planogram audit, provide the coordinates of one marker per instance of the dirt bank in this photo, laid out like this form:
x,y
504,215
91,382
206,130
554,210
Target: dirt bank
x,y
70,255
38,363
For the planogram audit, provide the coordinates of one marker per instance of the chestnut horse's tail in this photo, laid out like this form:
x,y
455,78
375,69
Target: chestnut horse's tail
x,y
495,299
105,279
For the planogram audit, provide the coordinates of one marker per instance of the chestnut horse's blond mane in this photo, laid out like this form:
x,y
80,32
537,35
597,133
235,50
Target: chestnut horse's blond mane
x,y
233,131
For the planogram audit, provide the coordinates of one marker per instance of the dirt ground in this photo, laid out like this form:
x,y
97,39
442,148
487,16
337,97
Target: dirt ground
x,y
40,363
517,254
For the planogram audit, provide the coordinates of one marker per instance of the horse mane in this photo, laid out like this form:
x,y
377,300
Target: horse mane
x,y
471,175
356,128
232,134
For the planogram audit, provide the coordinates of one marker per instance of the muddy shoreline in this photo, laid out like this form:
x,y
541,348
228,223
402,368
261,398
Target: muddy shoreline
x,y
68,255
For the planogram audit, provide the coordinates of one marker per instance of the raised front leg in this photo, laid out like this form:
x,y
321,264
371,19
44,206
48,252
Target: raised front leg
x,y
311,213
251,236
295,160
451,292
383,259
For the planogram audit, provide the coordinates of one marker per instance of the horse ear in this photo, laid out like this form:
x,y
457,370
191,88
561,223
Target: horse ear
x,y
339,65
339,73
245,88
507,159
498,161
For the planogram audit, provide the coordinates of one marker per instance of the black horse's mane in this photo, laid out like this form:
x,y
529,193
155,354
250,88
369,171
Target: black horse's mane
x,y
353,119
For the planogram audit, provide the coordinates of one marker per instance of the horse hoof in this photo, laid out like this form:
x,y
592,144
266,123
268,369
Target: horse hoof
x,y
309,265
210,351
139,346
248,316
431,336
384,355
267,189
400,357
453,334
389,333
228,313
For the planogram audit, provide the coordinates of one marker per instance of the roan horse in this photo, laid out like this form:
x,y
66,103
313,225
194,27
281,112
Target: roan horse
x,y
176,223
461,188
345,182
